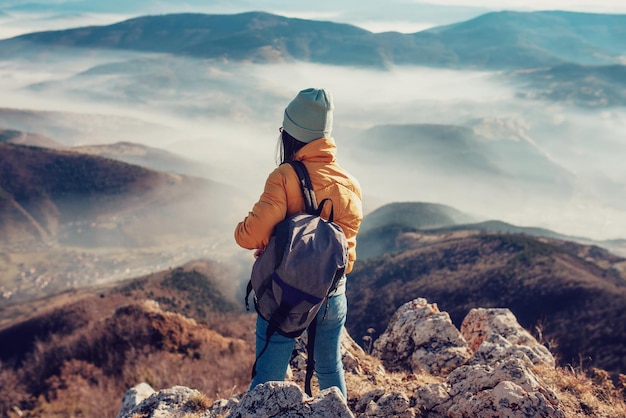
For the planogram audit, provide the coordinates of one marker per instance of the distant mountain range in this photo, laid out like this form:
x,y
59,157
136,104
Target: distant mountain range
x,y
572,58
502,40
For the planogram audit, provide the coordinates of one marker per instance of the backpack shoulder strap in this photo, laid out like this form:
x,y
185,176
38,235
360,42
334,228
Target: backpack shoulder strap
x,y
310,203
310,356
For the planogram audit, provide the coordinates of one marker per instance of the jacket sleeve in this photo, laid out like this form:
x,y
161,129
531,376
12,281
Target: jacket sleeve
x,y
255,230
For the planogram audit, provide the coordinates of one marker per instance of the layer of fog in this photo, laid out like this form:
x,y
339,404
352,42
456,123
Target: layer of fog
x,y
227,115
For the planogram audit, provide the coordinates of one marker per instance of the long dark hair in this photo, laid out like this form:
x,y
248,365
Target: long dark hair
x,y
287,147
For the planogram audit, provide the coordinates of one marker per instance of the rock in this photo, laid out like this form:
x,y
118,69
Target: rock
x,y
394,404
133,397
286,399
272,399
473,379
481,325
432,396
371,396
505,400
421,338
167,403
497,348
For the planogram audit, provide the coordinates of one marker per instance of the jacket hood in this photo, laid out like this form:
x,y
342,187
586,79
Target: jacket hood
x,y
322,150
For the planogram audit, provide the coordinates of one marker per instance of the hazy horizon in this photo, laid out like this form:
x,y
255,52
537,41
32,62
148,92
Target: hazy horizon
x,y
227,115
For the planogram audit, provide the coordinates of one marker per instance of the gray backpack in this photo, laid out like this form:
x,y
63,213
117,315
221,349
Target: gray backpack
x,y
302,263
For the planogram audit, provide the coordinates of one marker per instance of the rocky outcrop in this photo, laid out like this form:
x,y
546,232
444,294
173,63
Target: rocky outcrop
x,y
272,399
421,338
491,374
133,397
485,370
173,402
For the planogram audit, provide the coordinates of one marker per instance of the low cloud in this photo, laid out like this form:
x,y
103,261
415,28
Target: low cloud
x,y
227,115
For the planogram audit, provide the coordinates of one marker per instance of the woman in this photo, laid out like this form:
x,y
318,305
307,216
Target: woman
x,y
306,136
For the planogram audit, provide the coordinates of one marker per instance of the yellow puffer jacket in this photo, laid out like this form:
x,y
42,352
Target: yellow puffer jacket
x,y
282,197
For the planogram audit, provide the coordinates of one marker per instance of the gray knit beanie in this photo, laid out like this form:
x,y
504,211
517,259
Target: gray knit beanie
x,y
310,115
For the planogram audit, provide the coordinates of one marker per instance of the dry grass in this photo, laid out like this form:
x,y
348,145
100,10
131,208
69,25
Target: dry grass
x,y
199,402
585,394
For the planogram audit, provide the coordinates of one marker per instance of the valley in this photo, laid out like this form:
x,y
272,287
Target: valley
x,y
489,144
27,275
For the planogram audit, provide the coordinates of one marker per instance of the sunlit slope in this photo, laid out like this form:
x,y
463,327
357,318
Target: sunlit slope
x,y
149,157
573,296
86,200
503,40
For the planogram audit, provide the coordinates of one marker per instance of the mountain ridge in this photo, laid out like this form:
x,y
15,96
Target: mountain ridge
x,y
264,37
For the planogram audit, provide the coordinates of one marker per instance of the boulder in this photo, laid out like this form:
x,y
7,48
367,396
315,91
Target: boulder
x,y
133,397
505,400
421,338
495,325
175,401
272,399
285,399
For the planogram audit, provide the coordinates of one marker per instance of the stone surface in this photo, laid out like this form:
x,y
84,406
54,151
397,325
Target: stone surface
x,y
432,396
505,400
473,379
497,348
285,399
421,338
133,397
393,404
272,399
164,404
482,325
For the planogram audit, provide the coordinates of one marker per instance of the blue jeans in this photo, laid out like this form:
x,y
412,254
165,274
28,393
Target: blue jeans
x,y
272,365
